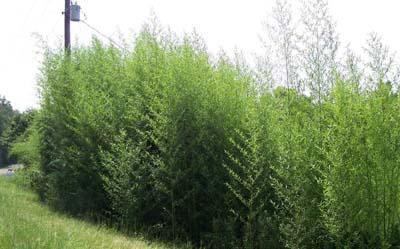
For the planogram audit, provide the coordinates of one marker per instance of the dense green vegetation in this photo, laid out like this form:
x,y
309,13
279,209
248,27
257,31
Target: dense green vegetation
x,y
27,224
141,137
165,139
13,124
6,115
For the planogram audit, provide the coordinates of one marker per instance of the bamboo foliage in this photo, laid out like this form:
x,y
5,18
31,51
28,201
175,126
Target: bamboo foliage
x,y
165,139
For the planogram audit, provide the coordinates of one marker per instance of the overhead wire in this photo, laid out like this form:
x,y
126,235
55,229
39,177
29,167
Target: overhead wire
x,y
33,5
22,30
18,40
102,34
53,29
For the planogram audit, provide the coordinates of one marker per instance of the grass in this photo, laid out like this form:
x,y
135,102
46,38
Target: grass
x,y
26,224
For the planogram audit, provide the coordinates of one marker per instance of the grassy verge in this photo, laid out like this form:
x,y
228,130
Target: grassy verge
x,y
27,224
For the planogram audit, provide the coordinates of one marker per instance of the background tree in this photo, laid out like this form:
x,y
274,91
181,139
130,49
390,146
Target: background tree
x,y
16,127
379,63
282,40
6,115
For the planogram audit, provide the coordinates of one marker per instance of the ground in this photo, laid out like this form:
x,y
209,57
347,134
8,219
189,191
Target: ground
x,y
25,223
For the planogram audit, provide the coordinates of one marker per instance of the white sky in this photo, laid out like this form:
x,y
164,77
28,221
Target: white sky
x,y
225,24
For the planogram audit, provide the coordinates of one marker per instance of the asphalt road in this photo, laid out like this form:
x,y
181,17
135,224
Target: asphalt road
x,y
3,171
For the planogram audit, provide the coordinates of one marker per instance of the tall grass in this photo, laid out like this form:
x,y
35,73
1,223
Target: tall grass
x,y
25,223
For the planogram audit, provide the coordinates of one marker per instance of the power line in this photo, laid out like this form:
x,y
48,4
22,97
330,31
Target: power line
x,y
105,36
48,6
23,25
33,5
56,23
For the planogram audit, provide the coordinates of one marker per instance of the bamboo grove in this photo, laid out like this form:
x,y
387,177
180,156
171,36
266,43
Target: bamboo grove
x,y
165,139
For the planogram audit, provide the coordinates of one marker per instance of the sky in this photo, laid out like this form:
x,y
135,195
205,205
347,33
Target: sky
x,y
224,24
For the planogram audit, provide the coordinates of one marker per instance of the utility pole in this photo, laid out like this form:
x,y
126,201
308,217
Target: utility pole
x,y
67,26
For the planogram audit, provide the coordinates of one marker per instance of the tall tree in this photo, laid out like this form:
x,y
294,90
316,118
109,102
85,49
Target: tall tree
x,y
6,115
282,33
318,47
379,62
